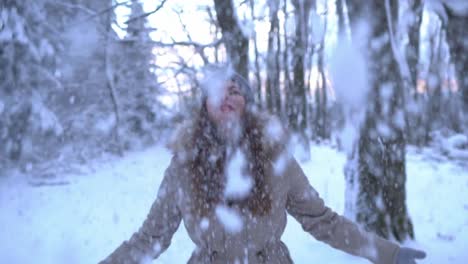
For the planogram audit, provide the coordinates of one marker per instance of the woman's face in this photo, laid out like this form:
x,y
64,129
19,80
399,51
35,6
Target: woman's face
x,y
227,107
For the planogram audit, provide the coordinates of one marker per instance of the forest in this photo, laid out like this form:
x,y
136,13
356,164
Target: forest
x,y
382,84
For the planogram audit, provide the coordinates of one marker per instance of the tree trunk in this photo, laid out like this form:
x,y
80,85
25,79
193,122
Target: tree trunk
x,y
412,50
341,17
415,117
432,116
323,131
257,65
277,90
297,104
110,83
272,81
456,38
380,167
236,43
322,108
287,76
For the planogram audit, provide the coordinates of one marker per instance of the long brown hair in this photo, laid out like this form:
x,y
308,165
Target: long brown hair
x,y
207,165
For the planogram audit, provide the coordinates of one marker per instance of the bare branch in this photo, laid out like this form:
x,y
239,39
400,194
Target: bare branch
x,y
51,77
75,6
184,26
96,14
182,43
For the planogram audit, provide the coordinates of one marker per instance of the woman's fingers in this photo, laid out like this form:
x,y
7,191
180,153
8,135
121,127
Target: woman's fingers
x,y
418,253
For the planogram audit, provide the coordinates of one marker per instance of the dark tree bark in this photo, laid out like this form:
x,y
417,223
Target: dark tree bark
x,y
297,104
272,81
380,166
110,83
434,86
322,125
236,43
341,17
457,32
257,64
415,118
287,77
322,120
277,90
412,50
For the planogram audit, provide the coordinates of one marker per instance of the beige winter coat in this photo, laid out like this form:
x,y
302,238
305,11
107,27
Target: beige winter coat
x,y
259,239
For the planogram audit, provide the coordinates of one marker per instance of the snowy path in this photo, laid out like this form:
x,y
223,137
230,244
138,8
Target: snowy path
x,y
83,221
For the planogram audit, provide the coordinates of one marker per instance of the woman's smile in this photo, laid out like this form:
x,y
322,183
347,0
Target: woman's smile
x,y
227,107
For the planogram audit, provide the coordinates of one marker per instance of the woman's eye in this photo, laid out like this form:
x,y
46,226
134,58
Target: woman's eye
x,y
235,92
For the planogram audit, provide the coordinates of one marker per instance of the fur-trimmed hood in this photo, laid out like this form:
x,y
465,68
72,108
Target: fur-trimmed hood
x,y
274,135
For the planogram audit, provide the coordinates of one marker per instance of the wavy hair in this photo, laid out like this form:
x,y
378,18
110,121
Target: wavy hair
x,y
207,166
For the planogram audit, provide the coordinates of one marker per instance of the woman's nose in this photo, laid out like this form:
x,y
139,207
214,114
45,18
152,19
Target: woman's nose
x,y
227,96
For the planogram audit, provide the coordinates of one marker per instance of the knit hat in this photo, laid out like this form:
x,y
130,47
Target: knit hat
x,y
244,86
216,77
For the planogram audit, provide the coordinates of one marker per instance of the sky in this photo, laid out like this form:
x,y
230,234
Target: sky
x,y
195,18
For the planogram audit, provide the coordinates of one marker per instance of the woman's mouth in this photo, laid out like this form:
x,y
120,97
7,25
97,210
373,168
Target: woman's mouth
x,y
227,108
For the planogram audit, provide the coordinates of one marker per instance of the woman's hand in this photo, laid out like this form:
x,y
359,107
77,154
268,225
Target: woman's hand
x,y
408,255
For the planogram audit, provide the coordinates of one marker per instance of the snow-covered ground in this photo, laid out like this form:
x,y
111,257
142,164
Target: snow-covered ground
x,y
84,220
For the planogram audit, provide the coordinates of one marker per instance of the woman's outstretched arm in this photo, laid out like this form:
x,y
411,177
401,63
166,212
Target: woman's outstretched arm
x,y
154,236
305,205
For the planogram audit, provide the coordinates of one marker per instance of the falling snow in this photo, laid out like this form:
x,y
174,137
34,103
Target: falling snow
x,y
238,184
229,218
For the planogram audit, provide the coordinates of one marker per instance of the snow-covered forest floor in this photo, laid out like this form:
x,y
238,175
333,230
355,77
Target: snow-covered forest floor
x,y
81,217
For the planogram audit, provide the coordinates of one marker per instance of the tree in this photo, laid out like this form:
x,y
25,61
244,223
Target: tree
x,y
380,167
235,41
286,69
341,17
457,19
412,50
273,96
432,115
27,61
322,127
297,101
258,77
137,82
415,116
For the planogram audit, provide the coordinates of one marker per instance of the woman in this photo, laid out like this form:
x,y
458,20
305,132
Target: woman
x,y
232,181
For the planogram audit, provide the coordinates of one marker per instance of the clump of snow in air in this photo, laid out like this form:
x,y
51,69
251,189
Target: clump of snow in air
x,y
384,130
349,73
279,166
81,40
2,107
273,130
229,218
204,223
157,247
105,125
238,184
212,83
349,134
299,147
